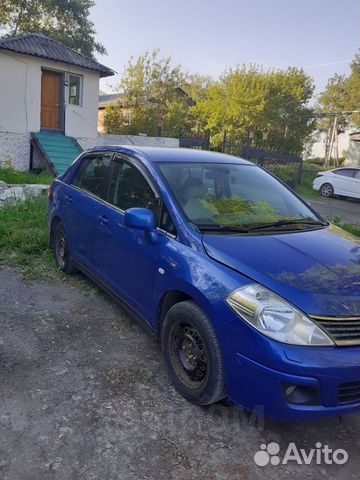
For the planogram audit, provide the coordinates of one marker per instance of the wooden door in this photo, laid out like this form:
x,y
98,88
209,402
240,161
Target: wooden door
x,y
50,100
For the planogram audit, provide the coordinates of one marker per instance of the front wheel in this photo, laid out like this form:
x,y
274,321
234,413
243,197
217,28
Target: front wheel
x,y
192,354
327,190
61,250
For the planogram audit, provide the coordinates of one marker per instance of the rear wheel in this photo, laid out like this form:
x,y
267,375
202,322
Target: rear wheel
x,y
192,354
327,190
61,250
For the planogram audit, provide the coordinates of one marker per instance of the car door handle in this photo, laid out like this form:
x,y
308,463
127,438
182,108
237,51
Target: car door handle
x,y
68,198
103,219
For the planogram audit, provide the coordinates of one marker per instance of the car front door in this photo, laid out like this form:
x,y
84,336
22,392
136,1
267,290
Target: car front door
x,y
124,258
82,200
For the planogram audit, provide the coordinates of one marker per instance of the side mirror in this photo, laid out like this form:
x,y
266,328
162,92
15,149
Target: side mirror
x,y
142,219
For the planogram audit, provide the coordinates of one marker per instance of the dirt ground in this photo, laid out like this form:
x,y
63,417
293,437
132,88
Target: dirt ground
x,y
346,209
84,395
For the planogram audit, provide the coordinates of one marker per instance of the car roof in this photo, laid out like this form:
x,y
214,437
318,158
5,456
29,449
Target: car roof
x,y
168,155
347,167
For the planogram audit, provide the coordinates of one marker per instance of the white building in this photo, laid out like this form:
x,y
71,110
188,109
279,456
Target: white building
x,y
348,146
48,101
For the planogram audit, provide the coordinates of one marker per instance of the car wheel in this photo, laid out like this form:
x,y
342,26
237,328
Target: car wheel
x,y
192,354
61,250
327,190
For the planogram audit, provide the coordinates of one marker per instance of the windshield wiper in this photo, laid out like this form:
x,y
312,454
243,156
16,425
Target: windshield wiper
x,y
260,226
222,228
280,223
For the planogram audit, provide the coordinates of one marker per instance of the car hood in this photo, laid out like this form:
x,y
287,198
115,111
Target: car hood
x,y
316,270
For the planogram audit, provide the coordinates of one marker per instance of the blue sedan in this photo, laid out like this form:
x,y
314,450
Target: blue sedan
x,y
253,295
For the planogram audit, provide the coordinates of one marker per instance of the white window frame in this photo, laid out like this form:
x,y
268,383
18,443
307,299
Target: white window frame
x,y
81,88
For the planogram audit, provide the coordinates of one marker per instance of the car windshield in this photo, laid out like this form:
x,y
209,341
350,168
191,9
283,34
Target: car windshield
x,y
233,196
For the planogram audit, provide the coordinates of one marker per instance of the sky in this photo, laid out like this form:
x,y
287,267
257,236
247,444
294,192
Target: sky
x,y
206,36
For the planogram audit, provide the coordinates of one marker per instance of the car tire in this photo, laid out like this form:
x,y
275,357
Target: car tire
x,y
61,250
192,354
327,190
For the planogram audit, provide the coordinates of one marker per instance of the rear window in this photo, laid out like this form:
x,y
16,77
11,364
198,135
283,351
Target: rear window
x,y
93,175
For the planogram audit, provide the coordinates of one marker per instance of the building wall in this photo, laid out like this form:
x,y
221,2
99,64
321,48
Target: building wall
x,y
103,140
15,149
20,102
317,149
138,140
348,147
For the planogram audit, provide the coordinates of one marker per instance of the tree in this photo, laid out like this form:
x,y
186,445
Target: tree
x,y
66,21
342,94
268,106
150,93
196,85
354,89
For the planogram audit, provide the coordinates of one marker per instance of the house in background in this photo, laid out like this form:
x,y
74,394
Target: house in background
x,y
347,146
114,98
48,102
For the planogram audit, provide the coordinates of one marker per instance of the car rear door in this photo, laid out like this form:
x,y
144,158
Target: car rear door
x,y
124,259
82,202
354,184
344,182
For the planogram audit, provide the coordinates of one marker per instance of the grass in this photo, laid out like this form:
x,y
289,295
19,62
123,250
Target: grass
x,y
9,175
24,239
24,242
349,227
305,188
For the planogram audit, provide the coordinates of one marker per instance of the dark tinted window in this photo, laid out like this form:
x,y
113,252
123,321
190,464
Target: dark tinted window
x,y
346,172
129,188
357,173
74,89
93,174
166,222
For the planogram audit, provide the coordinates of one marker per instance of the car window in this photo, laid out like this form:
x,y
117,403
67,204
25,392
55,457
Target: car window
x,y
93,174
129,188
166,222
345,172
357,174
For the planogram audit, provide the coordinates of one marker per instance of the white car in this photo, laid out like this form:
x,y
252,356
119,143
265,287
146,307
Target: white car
x,y
340,181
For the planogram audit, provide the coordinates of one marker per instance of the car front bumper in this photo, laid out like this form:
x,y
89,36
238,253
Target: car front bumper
x,y
327,381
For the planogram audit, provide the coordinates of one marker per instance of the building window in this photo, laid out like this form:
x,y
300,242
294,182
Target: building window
x,y
75,84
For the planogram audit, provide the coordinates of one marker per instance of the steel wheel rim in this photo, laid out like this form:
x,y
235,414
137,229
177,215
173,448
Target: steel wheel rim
x,y
61,249
188,355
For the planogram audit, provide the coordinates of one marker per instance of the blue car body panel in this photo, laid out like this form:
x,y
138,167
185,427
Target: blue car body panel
x,y
314,270
128,262
317,271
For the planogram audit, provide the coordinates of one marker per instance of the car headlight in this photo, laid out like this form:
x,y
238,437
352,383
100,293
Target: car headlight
x,y
275,317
